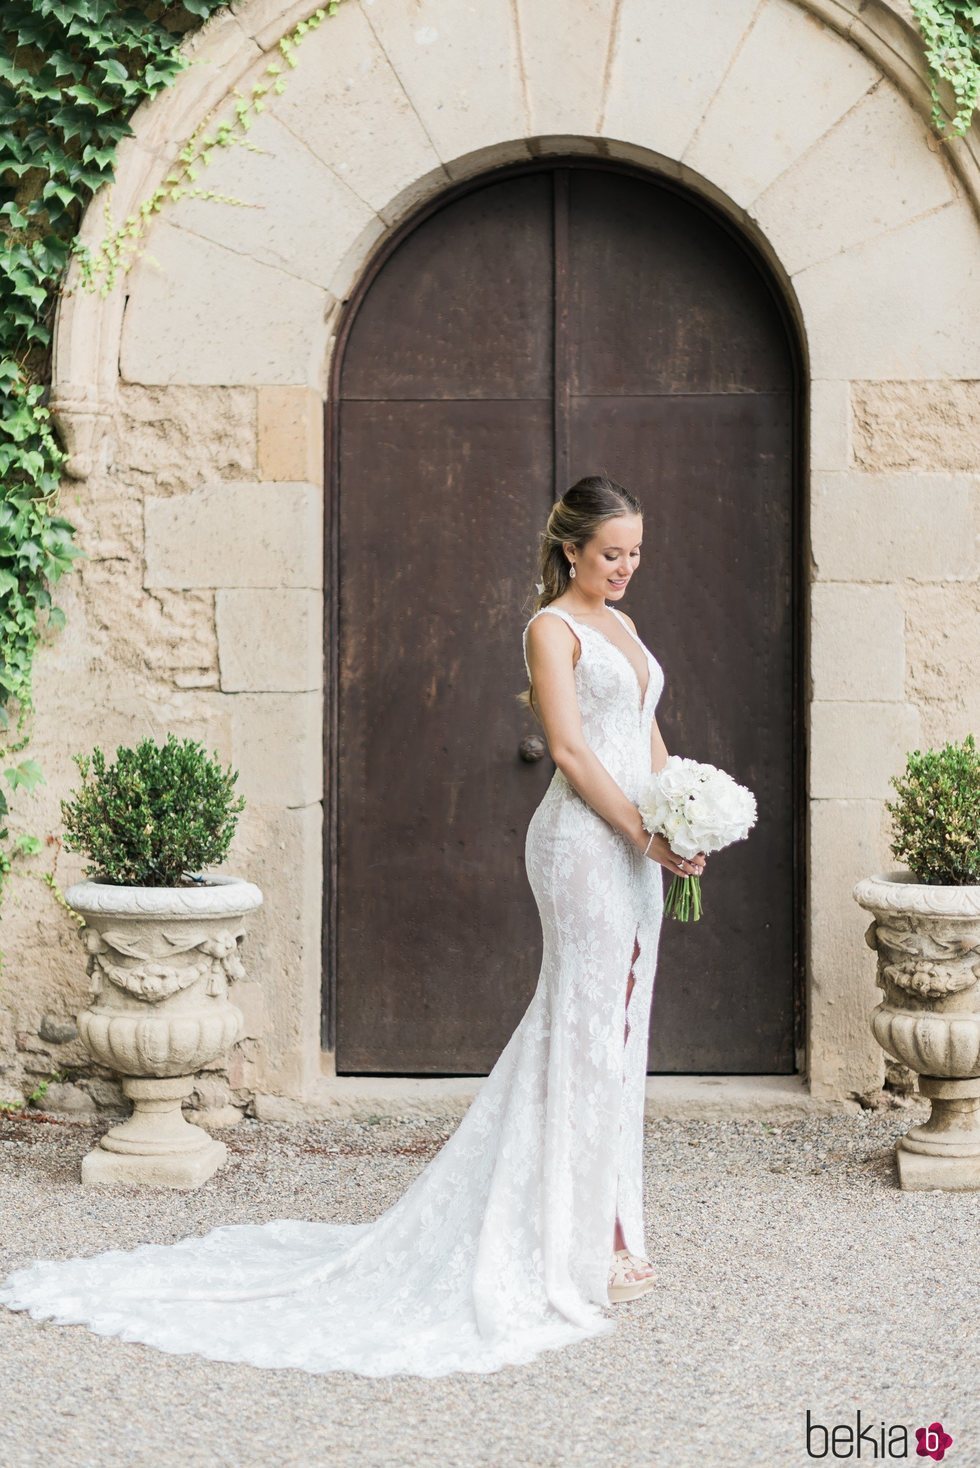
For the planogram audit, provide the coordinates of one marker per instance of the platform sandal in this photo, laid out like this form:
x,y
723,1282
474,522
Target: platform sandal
x,y
621,1287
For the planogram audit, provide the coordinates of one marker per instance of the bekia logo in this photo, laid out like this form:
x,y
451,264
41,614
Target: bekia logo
x,y
873,1442
932,1441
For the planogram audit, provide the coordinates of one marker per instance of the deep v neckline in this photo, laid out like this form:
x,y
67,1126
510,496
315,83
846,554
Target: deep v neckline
x,y
642,691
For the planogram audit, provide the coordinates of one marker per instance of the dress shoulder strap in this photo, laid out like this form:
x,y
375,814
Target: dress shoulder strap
x,y
619,617
555,612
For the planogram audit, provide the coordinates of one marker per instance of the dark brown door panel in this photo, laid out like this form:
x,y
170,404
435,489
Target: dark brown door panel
x,y
545,322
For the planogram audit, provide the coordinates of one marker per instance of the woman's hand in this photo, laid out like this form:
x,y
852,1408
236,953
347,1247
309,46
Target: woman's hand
x,y
681,866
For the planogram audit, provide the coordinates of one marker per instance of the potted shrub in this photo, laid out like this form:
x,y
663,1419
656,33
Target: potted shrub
x,y
926,931
162,941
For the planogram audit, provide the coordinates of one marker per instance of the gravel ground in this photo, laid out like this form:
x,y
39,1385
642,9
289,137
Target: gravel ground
x,y
795,1275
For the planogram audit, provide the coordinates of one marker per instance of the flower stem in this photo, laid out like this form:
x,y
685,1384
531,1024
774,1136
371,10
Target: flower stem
x,y
683,900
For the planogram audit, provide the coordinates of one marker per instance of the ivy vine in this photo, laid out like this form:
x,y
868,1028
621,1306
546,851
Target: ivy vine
x,y
72,72
951,32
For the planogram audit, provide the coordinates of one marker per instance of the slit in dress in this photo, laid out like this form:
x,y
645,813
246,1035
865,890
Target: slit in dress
x,y
631,981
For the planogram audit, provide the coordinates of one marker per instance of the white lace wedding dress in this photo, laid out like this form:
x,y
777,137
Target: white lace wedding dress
x,y
501,1246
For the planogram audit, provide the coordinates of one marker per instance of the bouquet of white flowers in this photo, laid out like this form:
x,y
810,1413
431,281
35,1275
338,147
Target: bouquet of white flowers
x,y
696,808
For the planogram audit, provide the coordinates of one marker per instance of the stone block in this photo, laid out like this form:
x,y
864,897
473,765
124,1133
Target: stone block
x,y
57,1029
466,95
382,149
564,65
306,242
870,173
108,1095
790,81
290,434
277,747
916,425
174,438
660,83
884,527
176,636
848,839
162,633
65,1097
282,850
855,747
943,639
270,641
116,711
38,1065
830,425
857,648
905,304
200,312
258,535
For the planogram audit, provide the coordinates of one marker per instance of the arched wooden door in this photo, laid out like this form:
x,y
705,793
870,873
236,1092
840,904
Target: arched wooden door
x,y
545,322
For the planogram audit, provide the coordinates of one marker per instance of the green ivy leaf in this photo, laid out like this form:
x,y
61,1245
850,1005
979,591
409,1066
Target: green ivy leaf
x,y
17,219
25,776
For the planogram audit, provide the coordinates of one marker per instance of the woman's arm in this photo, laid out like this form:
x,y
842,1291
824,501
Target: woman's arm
x,y
551,645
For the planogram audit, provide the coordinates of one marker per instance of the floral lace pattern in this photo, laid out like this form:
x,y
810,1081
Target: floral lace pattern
x,y
500,1247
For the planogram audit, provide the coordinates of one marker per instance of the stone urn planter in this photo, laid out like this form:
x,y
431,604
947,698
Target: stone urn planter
x,y
927,938
161,961
162,940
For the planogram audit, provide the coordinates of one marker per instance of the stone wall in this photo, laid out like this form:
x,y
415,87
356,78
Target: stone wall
x,y
192,400
198,608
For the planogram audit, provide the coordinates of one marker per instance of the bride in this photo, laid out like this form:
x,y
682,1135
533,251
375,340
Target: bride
x,y
528,1223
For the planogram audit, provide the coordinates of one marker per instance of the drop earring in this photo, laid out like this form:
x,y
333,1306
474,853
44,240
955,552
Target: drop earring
x,y
571,570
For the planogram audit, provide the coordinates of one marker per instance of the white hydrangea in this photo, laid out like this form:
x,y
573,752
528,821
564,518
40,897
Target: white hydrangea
x,y
696,807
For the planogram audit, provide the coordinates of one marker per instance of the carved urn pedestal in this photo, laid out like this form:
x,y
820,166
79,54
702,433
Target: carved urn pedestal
x,y
161,960
928,943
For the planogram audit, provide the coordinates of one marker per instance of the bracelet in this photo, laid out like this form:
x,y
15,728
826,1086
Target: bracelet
x,y
649,843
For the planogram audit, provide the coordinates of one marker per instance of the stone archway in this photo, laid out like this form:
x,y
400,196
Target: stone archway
x,y
192,402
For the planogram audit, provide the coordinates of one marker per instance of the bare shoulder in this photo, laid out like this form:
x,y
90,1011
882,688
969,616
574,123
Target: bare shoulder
x,y
550,634
629,620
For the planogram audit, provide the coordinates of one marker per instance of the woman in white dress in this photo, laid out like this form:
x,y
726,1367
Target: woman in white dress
x,y
526,1225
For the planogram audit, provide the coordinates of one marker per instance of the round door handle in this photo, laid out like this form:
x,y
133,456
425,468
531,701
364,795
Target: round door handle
x,y
532,747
